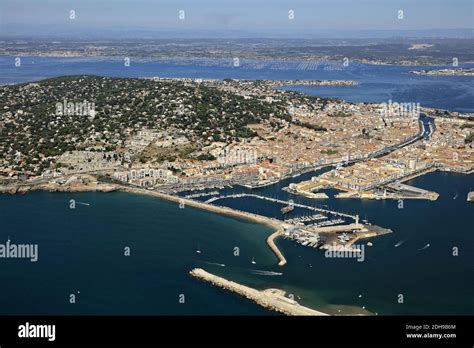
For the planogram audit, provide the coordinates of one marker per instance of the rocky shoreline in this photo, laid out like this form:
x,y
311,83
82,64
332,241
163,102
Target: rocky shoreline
x,y
79,183
50,188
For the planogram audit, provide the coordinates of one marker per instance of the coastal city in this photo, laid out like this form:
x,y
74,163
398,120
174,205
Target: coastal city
x,y
373,147
202,165
179,136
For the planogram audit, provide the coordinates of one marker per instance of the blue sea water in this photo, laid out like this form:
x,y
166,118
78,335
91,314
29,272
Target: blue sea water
x,y
376,83
81,251
432,281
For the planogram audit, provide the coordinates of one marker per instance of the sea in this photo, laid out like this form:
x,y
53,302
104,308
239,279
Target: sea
x,y
122,253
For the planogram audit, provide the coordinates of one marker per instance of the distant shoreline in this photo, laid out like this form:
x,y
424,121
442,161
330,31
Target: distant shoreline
x,y
444,72
331,59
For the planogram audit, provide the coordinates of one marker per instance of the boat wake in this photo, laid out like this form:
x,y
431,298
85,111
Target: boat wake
x,y
215,263
399,243
425,247
266,273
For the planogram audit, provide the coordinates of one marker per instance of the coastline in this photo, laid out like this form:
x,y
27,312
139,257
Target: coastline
x,y
88,183
276,225
111,56
305,292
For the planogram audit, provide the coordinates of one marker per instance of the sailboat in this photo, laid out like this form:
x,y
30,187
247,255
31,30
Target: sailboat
x,y
253,261
198,250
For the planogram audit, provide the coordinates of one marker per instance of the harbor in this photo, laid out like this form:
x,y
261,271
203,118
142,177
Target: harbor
x,y
202,194
280,201
336,236
391,254
320,228
271,222
316,230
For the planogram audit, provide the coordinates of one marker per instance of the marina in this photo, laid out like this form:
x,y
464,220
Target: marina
x,y
280,201
330,235
305,219
316,230
202,194
319,228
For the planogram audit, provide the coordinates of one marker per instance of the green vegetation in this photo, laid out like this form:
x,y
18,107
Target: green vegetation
x,y
108,179
339,114
470,138
329,152
315,127
206,157
31,129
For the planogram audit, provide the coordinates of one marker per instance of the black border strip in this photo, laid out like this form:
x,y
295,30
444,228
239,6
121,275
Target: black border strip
x,y
135,330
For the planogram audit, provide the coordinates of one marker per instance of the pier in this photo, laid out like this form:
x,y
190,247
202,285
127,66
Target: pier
x,y
404,191
325,237
275,224
280,201
273,299
308,194
272,245
303,234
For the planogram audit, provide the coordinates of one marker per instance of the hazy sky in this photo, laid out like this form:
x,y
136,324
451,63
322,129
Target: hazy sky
x,y
241,14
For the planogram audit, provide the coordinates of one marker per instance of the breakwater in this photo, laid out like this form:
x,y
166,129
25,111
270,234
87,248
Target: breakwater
x,y
275,224
273,299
